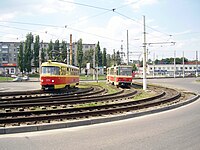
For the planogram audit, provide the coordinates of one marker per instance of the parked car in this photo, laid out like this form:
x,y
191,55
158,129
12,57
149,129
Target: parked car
x,y
17,79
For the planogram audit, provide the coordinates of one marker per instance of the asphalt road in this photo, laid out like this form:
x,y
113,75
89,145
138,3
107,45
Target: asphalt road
x,y
174,129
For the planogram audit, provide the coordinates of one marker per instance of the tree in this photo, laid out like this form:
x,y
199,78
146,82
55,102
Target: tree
x,y
63,55
88,57
56,51
104,61
49,50
43,55
108,60
21,58
134,68
36,52
79,53
28,52
98,55
118,59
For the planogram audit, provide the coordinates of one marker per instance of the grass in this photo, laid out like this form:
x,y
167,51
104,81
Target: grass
x,y
143,94
90,77
102,84
6,79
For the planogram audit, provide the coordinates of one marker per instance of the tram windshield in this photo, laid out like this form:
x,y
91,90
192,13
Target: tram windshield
x,y
125,71
52,70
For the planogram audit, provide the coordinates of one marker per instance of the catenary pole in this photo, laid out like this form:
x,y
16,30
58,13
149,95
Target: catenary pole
x,y
144,59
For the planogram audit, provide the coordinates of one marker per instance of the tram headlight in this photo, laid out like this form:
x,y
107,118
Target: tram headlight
x,y
52,81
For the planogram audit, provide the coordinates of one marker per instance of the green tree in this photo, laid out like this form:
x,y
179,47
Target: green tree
x,y
43,55
63,52
36,52
28,52
21,58
108,60
104,61
79,53
98,55
88,57
134,68
118,59
56,51
49,50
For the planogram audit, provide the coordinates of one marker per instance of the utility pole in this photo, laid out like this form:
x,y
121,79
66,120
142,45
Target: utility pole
x,y
196,63
174,64
144,59
183,65
40,49
153,65
127,50
70,57
94,65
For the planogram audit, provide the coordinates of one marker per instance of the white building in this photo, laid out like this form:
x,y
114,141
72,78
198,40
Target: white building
x,y
189,68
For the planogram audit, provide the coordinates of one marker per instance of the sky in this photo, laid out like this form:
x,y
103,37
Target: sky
x,y
108,21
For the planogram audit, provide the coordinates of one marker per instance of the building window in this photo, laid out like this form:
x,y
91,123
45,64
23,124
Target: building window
x,y
190,68
15,59
12,71
86,46
194,67
181,68
172,68
186,68
151,68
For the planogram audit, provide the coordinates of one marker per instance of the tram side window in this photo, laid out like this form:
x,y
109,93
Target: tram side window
x,y
112,71
51,70
63,71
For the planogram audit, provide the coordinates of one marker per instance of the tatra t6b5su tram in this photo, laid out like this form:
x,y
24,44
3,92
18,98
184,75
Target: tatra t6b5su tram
x,y
55,75
119,75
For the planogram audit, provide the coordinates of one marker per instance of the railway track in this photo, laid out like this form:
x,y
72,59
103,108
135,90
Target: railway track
x,y
83,105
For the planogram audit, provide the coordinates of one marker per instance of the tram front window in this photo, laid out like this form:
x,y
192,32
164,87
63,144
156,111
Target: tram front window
x,y
51,70
126,71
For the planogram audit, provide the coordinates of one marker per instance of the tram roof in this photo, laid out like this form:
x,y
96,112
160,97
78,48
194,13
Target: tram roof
x,y
58,64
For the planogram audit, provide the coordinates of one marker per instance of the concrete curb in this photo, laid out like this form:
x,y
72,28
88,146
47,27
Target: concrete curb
x,y
42,127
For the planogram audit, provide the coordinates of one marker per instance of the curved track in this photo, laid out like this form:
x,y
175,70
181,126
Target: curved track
x,y
84,105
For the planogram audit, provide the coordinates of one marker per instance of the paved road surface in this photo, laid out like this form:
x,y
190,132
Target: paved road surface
x,y
174,129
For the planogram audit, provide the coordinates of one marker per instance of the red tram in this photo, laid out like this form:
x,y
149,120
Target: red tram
x,y
55,75
119,75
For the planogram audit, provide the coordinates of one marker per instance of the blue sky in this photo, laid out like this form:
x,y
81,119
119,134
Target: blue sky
x,y
179,18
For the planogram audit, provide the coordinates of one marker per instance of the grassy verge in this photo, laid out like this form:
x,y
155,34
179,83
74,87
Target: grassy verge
x,y
102,84
143,94
6,79
90,77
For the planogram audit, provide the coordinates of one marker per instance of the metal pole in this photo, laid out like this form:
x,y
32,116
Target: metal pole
x,y
153,65
183,65
94,65
174,64
127,50
70,57
144,59
196,63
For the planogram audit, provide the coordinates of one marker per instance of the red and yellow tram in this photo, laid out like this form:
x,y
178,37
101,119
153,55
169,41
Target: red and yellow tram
x,y
119,75
55,75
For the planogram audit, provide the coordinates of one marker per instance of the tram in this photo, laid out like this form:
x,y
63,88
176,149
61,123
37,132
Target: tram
x,y
119,75
55,75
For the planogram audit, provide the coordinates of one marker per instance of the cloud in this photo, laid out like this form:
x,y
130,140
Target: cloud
x,y
138,4
7,16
